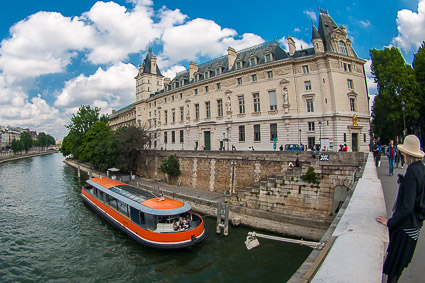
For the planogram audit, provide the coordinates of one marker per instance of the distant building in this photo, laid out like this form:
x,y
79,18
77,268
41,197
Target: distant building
x,y
261,96
123,117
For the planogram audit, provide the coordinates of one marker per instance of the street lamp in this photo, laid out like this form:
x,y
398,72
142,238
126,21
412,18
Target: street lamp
x,y
320,139
403,107
300,136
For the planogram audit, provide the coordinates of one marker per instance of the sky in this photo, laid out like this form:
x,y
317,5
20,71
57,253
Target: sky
x,y
58,55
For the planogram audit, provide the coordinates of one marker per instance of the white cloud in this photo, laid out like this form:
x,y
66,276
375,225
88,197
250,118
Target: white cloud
x,y
44,43
365,24
372,87
312,15
171,72
115,86
411,28
299,43
297,30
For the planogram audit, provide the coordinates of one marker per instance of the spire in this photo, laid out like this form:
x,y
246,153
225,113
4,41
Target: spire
x,y
315,33
149,64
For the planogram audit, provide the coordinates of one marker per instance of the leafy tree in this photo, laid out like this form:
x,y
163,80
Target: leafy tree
x,y
131,143
26,140
50,140
80,124
42,139
419,67
99,147
171,166
17,146
396,83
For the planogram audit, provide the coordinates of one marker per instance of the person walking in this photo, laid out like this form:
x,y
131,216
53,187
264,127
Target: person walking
x,y
404,225
391,153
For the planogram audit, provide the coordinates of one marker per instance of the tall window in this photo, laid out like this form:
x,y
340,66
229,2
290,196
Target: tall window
x,y
273,132
252,62
206,75
270,74
311,126
196,91
206,88
350,84
254,78
353,104
181,113
218,85
239,81
220,107
197,111
173,136
272,99
173,115
165,137
307,85
218,71
241,133
208,109
311,142
343,48
257,133
238,65
268,57
345,137
305,69
256,97
181,136
310,107
165,116
241,100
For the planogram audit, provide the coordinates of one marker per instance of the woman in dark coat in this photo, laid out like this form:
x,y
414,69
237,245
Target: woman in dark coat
x,y
404,225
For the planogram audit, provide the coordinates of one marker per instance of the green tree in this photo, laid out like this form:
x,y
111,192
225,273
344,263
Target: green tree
x,y
80,124
17,146
171,166
131,144
419,67
99,147
396,83
42,139
26,140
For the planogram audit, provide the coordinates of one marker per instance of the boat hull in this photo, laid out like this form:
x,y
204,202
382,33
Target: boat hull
x,y
138,233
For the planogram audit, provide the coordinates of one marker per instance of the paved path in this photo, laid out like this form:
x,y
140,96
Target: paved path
x,y
415,271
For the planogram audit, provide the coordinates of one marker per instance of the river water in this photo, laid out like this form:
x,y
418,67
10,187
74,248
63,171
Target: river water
x,y
47,234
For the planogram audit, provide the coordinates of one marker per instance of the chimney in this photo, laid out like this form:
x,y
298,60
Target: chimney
x,y
193,68
291,44
231,56
153,65
113,111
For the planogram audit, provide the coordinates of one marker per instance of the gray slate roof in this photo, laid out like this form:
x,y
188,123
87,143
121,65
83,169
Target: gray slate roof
x,y
147,64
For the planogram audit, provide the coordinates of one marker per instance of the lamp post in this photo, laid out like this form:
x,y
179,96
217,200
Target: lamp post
x,y
300,136
403,107
320,137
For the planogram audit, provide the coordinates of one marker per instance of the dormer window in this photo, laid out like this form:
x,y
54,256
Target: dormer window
x,y
252,61
218,71
268,57
206,74
343,48
238,65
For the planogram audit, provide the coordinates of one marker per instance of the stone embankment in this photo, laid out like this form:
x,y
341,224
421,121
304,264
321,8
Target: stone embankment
x,y
356,243
4,157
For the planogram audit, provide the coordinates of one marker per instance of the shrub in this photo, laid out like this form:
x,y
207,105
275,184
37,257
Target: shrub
x,y
311,176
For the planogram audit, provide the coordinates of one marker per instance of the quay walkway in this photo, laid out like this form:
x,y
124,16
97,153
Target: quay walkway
x,y
9,156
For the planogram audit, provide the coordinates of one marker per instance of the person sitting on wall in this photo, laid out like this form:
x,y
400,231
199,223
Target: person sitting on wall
x,y
290,165
297,162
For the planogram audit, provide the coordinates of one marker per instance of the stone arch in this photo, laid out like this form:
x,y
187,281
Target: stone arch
x,y
340,194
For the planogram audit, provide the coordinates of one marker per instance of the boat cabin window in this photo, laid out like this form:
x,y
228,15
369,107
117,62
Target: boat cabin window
x,y
101,196
134,215
151,221
111,201
123,208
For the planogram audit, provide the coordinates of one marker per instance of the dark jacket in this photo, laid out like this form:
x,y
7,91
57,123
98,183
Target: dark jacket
x,y
411,185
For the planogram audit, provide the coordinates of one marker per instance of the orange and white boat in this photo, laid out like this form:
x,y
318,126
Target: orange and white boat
x,y
157,222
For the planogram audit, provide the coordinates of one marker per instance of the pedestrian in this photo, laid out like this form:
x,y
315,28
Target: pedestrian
x,y
281,147
391,154
345,147
404,225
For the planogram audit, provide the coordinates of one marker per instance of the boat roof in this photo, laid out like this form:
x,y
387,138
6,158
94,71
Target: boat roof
x,y
140,199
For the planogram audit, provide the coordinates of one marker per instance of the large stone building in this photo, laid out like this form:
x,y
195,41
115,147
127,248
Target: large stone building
x,y
261,97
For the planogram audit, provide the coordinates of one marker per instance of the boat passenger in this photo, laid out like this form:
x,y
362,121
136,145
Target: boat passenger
x,y
175,225
184,224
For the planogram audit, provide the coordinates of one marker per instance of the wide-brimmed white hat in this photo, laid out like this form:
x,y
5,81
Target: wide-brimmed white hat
x,y
411,146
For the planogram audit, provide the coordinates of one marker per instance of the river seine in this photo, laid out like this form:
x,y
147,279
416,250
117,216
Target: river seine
x,y
47,234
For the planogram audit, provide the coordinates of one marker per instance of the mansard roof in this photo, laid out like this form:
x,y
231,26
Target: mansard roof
x,y
147,64
119,111
315,33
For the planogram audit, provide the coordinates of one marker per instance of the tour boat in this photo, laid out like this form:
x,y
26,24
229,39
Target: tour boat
x,y
150,220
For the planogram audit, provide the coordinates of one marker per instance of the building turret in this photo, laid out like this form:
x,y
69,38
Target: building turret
x,y
149,78
317,41
291,44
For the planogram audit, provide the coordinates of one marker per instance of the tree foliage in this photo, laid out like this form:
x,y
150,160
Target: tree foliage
x,y
17,146
26,140
131,144
171,166
397,83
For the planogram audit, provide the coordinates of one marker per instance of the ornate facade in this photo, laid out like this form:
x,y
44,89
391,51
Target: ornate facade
x,y
123,117
261,97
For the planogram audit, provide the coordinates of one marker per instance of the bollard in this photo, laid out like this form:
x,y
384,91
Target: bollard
x,y
218,229
90,173
78,170
226,220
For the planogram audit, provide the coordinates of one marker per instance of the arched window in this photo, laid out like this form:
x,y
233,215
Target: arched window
x,y
343,48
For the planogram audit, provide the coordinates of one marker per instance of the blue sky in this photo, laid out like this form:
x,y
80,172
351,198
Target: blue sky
x,y
58,55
